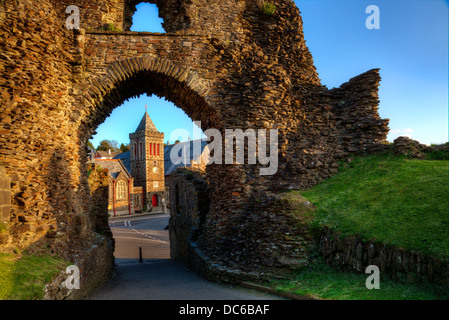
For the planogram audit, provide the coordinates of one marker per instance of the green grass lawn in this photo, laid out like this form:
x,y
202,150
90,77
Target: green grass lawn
x,y
323,282
23,277
394,200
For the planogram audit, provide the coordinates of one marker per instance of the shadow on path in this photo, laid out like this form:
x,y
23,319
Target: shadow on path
x,y
165,279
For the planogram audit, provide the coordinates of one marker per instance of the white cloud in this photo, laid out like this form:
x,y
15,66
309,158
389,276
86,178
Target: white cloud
x,y
394,133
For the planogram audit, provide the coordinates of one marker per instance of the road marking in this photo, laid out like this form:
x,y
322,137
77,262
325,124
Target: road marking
x,y
127,223
144,234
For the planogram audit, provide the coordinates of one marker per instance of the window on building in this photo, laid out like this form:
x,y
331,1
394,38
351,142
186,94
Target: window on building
x,y
121,190
141,151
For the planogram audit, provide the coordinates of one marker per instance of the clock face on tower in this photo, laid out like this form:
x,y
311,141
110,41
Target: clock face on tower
x,y
155,169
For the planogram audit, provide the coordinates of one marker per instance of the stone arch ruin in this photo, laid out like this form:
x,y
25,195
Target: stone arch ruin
x,y
228,64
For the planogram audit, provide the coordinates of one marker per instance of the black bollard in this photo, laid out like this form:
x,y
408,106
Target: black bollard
x,y
140,254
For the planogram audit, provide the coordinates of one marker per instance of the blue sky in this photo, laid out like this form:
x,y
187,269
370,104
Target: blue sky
x,y
410,48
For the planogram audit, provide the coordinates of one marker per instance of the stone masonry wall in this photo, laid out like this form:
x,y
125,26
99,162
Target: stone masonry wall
x,y
94,14
39,147
189,202
5,206
36,138
99,198
95,265
354,255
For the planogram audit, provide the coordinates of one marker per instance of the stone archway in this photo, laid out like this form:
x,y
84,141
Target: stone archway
x,y
231,66
132,77
235,205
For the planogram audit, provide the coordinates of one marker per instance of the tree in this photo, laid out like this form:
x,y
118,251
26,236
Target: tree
x,y
124,147
106,145
90,145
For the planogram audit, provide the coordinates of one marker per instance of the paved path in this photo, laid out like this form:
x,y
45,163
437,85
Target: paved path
x,y
158,277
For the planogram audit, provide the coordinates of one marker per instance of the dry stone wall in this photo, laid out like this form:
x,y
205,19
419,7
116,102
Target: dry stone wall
x,y
94,15
95,266
351,254
99,198
36,137
189,205
289,228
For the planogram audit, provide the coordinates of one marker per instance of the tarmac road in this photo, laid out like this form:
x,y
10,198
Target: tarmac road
x,y
158,277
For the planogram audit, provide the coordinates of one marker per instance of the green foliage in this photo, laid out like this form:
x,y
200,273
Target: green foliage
x,y
267,7
110,27
3,227
397,201
89,144
124,147
438,155
106,145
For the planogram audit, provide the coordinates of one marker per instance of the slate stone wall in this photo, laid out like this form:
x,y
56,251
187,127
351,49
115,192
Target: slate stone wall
x,y
351,254
189,205
38,145
95,266
99,198
189,223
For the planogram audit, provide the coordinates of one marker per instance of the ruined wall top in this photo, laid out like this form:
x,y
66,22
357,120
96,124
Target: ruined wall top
x,y
237,22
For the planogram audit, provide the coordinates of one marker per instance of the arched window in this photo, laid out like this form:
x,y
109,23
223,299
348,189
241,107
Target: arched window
x,y
120,190
145,17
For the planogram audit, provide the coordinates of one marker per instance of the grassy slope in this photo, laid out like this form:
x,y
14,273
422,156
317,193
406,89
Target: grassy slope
x,y
323,282
24,277
391,199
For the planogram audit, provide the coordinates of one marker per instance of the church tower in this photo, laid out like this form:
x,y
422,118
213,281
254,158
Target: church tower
x,y
147,161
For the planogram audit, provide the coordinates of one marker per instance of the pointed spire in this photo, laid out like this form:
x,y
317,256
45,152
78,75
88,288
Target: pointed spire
x,y
146,124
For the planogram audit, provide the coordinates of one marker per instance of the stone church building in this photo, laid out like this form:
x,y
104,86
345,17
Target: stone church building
x,y
136,177
139,177
147,162
123,196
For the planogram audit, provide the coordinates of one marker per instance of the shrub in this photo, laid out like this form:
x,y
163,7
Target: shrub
x,y
268,7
